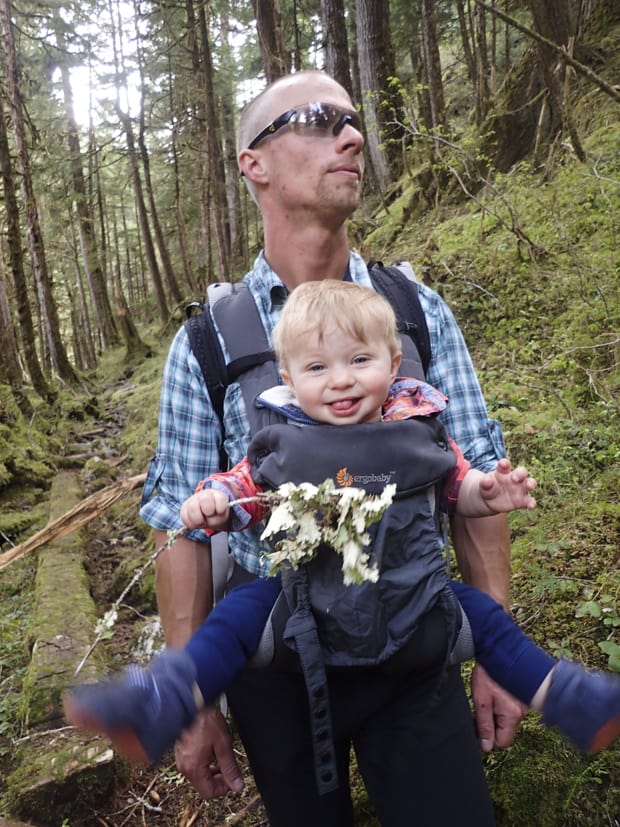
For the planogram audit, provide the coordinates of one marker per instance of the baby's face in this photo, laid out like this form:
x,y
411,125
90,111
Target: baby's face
x,y
339,380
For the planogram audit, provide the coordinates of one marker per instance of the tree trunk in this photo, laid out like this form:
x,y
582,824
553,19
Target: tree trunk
x,y
143,219
88,243
432,65
80,310
16,266
336,43
136,348
162,247
269,30
199,139
142,215
10,369
217,176
383,116
181,232
466,41
238,237
34,236
482,67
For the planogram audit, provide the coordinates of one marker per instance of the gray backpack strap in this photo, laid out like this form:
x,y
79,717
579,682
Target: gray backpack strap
x,y
252,363
251,357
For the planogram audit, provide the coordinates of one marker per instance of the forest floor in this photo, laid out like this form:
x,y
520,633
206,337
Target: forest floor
x,y
116,544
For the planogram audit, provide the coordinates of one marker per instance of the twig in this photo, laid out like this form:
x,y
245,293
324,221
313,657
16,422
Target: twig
x,y
76,517
238,817
108,620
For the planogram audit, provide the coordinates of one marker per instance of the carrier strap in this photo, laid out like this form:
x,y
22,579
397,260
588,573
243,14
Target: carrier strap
x,y
301,628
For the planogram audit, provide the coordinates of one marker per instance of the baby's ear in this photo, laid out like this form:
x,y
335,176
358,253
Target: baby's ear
x,y
285,377
396,360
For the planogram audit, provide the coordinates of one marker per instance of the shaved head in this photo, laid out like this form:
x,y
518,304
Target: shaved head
x,y
284,93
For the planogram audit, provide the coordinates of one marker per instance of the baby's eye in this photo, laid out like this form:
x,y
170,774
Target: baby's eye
x,y
316,368
360,360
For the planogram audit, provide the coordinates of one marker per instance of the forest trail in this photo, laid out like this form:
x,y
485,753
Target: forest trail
x,y
79,576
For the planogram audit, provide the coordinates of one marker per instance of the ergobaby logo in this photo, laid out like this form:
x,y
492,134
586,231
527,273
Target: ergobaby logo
x,y
344,478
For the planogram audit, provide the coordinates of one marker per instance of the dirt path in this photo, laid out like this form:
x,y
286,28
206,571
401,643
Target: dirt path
x,y
115,544
118,543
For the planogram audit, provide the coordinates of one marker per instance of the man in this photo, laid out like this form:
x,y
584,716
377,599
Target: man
x,y
412,732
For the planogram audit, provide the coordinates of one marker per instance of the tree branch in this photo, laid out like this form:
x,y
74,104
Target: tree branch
x,y
79,515
580,68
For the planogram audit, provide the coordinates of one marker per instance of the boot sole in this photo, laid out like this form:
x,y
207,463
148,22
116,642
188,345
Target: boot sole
x,y
124,741
606,735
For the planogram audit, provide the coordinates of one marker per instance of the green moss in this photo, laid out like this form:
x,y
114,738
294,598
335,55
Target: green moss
x,y
61,781
541,781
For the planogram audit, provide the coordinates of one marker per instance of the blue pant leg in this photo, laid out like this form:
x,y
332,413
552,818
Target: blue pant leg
x,y
513,660
222,646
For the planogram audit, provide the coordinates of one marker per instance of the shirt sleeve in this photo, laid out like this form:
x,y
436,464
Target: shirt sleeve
x,y
451,371
188,443
453,481
237,484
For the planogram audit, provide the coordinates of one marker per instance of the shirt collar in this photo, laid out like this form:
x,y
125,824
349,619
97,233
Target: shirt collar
x,y
271,285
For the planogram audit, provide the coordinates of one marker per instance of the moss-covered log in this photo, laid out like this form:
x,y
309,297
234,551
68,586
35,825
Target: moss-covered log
x,y
57,769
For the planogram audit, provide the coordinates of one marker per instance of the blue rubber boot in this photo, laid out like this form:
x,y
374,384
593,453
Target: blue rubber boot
x,y
142,711
584,705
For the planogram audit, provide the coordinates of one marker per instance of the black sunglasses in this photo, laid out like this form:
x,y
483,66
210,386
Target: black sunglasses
x,y
313,119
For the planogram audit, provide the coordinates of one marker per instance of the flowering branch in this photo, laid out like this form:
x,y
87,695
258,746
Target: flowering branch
x,y
105,624
305,516
309,516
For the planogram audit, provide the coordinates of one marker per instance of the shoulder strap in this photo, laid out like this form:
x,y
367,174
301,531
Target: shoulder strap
x,y
206,348
397,284
234,310
251,356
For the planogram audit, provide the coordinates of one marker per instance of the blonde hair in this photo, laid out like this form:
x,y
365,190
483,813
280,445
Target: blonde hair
x,y
315,305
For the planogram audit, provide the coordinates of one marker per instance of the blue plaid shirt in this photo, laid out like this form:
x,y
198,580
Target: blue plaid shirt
x,y
190,431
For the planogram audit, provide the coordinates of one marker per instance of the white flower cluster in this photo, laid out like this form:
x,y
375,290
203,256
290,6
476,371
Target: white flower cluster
x,y
310,515
105,624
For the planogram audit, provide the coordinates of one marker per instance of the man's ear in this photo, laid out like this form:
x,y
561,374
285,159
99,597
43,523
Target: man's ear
x,y
251,166
396,360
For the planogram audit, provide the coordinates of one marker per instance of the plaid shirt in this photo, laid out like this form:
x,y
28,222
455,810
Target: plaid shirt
x,y
190,433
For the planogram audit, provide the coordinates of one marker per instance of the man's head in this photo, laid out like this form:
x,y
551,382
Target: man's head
x,y
339,350
293,155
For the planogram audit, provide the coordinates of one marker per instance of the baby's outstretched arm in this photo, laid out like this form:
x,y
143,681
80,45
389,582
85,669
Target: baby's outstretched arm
x,y
208,508
502,490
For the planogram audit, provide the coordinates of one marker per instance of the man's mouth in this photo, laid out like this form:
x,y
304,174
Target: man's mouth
x,y
350,170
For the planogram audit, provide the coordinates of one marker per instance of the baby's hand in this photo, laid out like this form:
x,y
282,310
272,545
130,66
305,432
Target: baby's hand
x,y
206,509
506,489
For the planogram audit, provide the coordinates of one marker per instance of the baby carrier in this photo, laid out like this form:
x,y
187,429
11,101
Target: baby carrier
x,y
326,623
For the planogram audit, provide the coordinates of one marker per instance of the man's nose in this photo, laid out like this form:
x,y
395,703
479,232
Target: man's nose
x,y
349,138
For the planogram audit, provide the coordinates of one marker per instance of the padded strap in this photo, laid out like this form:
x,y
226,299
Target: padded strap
x,y
301,627
402,293
251,357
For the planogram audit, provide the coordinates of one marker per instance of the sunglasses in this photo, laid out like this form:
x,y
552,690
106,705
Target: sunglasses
x,y
315,120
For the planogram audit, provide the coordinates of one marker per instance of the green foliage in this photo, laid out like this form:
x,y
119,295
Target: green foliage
x,y
16,599
530,268
577,790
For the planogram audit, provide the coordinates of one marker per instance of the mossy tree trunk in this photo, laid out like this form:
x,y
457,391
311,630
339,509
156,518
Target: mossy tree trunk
x,y
533,106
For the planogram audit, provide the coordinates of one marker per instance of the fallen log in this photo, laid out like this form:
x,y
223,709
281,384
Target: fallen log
x,y
76,517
